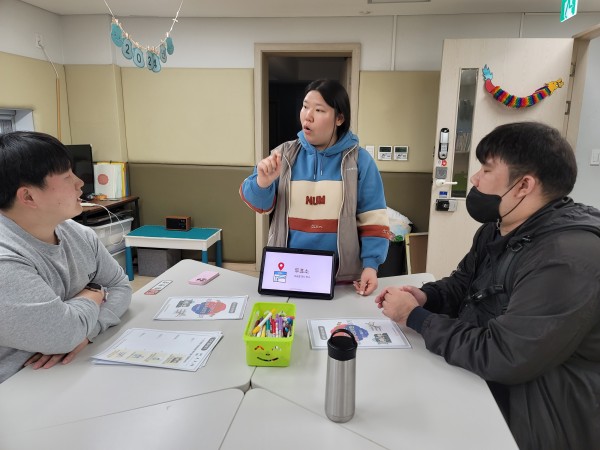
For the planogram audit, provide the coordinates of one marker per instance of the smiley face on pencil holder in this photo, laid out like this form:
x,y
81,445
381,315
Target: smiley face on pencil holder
x,y
267,355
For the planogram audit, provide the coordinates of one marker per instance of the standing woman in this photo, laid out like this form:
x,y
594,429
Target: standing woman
x,y
325,191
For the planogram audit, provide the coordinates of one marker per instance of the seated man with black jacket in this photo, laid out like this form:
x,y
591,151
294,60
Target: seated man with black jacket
x,y
522,310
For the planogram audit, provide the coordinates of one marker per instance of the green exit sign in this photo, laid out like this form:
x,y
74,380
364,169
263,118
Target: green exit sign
x,y
568,9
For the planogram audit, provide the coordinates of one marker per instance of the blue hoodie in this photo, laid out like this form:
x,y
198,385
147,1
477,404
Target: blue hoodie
x,y
315,200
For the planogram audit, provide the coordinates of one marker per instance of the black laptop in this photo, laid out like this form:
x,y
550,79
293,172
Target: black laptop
x,y
294,272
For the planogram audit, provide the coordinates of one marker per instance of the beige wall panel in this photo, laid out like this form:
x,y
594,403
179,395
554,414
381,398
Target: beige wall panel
x,y
399,108
190,116
210,195
31,84
409,193
96,110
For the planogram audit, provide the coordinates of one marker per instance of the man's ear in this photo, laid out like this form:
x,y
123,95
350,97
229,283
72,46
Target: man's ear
x,y
527,185
25,196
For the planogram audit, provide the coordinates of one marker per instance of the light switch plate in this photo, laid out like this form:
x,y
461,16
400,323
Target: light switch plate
x,y
384,153
595,160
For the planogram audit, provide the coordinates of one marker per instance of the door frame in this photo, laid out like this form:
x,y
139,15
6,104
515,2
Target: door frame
x,y
577,86
262,52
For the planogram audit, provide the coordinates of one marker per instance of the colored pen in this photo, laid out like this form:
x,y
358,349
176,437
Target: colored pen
x,y
262,322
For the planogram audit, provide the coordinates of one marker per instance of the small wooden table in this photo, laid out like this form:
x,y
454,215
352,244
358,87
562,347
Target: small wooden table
x,y
156,236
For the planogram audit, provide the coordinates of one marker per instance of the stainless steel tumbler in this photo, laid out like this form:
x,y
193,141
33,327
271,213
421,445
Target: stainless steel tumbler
x,y
341,376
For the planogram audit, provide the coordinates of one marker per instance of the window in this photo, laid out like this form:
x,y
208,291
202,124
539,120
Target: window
x,y
16,120
7,121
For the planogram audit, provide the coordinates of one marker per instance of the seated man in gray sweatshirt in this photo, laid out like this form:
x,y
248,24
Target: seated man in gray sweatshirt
x,y
59,286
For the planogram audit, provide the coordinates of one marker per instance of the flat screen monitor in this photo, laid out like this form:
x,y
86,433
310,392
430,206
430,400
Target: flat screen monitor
x,y
83,166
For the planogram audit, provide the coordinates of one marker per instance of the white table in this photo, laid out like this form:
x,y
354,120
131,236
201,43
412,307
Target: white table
x,y
405,398
81,390
265,420
190,423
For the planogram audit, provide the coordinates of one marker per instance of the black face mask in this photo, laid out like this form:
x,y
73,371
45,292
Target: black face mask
x,y
486,207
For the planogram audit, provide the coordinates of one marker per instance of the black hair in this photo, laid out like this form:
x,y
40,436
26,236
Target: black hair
x,y
536,149
335,95
26,158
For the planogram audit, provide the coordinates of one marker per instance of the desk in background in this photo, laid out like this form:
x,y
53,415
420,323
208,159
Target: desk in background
x,y
156,236
112,205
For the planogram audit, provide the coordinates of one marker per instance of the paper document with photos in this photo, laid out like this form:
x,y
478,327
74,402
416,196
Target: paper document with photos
x,y
180,350
202,308
369,332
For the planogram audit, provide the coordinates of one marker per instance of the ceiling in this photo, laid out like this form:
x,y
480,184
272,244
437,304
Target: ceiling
x,y
302,8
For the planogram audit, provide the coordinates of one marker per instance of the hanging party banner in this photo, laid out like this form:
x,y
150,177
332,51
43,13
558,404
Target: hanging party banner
x,y
513,101
154,56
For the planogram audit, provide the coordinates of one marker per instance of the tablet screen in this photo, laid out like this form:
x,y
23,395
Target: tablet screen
x,y
296,272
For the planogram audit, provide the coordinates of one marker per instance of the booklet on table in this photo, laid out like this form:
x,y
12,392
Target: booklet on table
x,y
181,350
202,308
369,332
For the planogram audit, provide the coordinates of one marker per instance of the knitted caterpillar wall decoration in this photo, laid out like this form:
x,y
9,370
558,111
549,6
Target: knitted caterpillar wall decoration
x,y
513,101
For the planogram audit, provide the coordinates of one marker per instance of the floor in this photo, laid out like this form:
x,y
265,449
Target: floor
x,y
248,269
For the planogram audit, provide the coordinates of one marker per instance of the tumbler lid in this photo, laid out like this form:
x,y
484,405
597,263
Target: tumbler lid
x,y
342,345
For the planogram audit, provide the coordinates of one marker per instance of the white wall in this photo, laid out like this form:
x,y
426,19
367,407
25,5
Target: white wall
x,y
225,43
18,24
420,39
229,43
86,40
415,45
548,25
587,188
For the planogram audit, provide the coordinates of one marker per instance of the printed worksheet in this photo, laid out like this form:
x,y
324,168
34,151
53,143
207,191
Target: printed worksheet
x,y
369,332
181,350
202,308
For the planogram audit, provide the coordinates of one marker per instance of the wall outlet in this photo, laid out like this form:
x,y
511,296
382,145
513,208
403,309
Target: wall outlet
x,y
39,40
595,160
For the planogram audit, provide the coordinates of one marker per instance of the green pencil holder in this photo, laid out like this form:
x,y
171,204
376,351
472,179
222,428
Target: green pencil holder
x,y
269,351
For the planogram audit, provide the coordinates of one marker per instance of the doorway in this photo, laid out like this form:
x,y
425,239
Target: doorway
x,y
288,77
281,72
